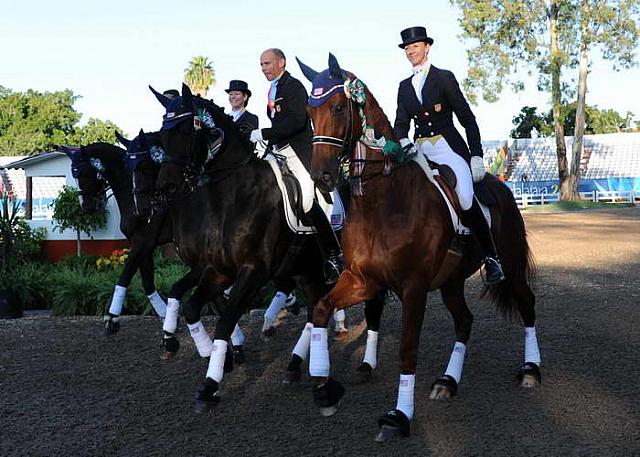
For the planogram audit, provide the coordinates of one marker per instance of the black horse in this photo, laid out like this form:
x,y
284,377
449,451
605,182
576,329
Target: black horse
x,y
228,220
143,234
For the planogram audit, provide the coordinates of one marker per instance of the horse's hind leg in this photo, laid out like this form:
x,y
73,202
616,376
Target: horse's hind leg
x,y
373,316
529,374
446,386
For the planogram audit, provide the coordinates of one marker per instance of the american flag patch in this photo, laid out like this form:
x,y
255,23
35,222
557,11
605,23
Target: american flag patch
x,y
404,382
318,91
336,219
316,337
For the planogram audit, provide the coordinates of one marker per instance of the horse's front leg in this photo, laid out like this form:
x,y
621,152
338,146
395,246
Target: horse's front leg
x,y
248,283
170,343
349,290
134,261
147,274
397,421
446,386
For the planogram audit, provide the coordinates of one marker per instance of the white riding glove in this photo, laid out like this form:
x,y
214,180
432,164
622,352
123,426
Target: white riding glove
x,y
256,135
477,168
408,147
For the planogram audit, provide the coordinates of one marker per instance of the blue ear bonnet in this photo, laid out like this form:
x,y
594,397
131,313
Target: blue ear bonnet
x,y
324,87
80,163
138,152
177,111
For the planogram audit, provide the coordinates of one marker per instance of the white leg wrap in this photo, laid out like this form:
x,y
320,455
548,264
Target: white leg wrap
x,y
158,303
371,352
277,303
204,345
319,359
117,301
237,337
216,361
171,317
405,394
302,346
339,317
456,361
531,350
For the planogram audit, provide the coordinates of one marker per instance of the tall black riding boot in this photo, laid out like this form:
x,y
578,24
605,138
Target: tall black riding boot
x,y
475,220
328,242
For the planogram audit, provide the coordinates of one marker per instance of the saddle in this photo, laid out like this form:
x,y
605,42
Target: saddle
x,y
292,197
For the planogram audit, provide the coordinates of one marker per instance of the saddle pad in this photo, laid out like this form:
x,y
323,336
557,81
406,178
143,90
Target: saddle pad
x,y
458,227
334,212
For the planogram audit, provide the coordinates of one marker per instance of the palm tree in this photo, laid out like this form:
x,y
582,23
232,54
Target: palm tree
x,y
200,75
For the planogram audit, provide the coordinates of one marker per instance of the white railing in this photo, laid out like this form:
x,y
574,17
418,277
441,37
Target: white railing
x,y
628,196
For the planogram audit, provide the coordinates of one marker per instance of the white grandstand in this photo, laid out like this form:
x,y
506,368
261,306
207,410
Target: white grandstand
x,y
604,156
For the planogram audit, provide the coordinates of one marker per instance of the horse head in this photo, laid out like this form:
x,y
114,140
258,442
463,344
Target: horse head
x,y
141,160
191,125
335,124
92,185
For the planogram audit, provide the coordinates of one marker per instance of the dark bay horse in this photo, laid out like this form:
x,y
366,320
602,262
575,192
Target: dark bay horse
x,y
399,235
143,234
228,220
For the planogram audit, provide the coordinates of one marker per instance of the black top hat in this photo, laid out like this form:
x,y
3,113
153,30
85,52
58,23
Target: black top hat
x,y
413,35
236,84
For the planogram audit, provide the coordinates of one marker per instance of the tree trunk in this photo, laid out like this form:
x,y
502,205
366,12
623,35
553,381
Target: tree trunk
x,y
556,98
78,247
570,191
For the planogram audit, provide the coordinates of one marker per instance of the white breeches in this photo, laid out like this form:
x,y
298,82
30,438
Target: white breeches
x,y
441,153
303,176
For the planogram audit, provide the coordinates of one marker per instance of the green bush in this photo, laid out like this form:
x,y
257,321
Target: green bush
x,y
19,243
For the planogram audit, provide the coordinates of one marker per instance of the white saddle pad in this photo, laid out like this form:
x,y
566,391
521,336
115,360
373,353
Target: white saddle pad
x,y
334,212
421,160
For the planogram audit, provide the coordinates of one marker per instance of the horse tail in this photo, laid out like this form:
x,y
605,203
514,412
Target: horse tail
x,y
517,259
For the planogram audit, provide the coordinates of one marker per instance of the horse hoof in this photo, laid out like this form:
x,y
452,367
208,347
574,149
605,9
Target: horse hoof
x,y
268,333
166,355
329,411
394,423
111,326
170,344
443,388
364,372
327,397
529,375
386,433
206,397
341,336
292,377
238,355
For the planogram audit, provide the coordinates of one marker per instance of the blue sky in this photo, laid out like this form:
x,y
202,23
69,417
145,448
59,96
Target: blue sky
x,y
108,52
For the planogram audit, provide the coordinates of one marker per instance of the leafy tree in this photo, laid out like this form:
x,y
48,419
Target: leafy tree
x,y
32,122
67,213
513,38
596,121
200,75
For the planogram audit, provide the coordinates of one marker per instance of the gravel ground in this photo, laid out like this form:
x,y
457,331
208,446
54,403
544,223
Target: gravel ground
x,y
68,391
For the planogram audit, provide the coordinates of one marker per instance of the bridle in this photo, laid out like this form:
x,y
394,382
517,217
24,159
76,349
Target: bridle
x,y
352,157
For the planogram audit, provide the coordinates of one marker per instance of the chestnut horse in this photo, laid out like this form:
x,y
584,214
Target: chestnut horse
x,y
399,236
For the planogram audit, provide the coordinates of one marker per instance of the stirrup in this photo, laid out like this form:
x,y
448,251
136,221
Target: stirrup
x,y
493,271
332,268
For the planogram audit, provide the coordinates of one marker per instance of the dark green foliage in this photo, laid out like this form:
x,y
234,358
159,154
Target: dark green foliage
x,y
32,122
68,214
597,121
18,242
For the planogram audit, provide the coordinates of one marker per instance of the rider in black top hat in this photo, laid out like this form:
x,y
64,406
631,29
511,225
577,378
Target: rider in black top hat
x,y
239,95
429,98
